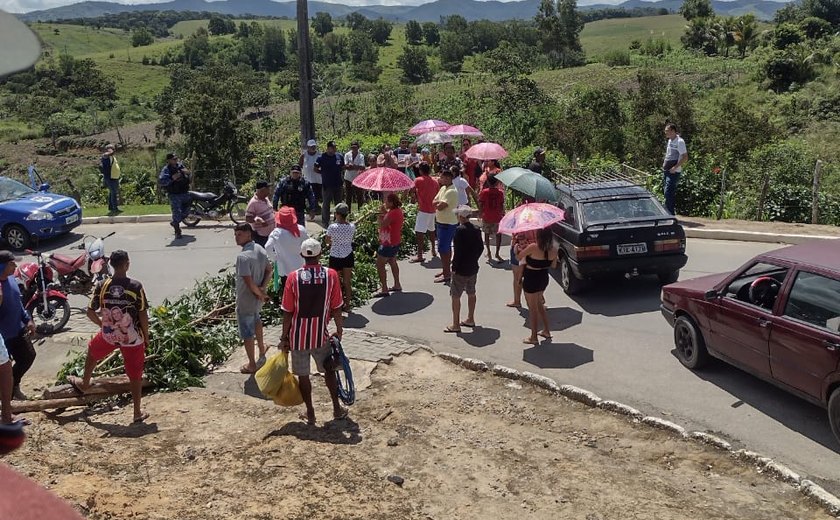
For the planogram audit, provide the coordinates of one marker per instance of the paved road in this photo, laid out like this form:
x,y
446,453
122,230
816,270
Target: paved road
x,y
611,341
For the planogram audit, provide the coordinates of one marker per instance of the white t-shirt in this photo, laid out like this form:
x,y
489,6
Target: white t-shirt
x,y
341,236
308,168
349,175
283,249
461,184
674,150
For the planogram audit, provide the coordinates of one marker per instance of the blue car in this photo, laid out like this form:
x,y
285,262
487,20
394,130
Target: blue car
x,y
27,215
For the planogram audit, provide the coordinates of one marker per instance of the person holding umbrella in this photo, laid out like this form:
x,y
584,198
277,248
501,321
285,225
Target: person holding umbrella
x,y
391,220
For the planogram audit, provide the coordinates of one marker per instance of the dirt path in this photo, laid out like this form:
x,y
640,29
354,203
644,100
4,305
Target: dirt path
x,y
465,444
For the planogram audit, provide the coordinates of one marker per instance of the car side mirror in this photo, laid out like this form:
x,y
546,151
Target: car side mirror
x,y
710,295
44,187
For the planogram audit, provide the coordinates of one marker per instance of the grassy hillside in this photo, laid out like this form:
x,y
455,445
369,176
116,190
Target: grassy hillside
x,y
79,40
188,27
606,35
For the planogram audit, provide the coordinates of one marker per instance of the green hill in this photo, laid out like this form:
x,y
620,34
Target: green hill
x,y
617,33
79,40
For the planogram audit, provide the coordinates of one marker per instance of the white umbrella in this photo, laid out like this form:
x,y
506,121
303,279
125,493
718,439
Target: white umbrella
x,y
434,138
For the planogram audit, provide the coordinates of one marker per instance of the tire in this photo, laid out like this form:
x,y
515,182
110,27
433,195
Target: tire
x,y
53,318
193,218
570,283
689,343
668,277
834,412
16,237
237,212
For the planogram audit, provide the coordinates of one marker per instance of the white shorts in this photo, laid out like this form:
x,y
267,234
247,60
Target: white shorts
x,y
4,354
425,222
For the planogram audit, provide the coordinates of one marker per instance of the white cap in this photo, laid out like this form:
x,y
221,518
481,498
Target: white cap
x,y
312,142
310,248
463,211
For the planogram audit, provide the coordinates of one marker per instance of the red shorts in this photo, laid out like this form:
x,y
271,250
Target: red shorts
x,y
133,357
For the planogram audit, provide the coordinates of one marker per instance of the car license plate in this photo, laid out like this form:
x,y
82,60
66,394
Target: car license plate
x,y
631,249
71,219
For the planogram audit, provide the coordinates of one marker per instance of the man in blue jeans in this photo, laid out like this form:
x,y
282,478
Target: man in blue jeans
x,y
330,166
675,157
175,179
111,177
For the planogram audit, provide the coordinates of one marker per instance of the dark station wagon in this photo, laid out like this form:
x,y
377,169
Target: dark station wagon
x,y
615,227
776,317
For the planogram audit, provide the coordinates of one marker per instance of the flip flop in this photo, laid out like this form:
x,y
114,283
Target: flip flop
x,y
452,330
75,381
468,324
442,280
342,415
395,289
543,334
244,369
140,418
513,305
416,261
530,341
303,417
381,294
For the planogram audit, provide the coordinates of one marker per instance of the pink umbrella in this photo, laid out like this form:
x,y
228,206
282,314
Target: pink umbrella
x,y
429,125
383,179
486,152
529,217
464,130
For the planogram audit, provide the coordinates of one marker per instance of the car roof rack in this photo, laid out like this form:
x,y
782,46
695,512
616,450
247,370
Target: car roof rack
x,y
604,178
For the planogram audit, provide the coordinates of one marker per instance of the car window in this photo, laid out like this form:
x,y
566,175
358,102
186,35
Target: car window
x,y
568,207
11,189
759,285
815,299
618,209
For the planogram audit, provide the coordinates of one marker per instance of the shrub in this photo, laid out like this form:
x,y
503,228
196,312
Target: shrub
x,y
617,58
786,69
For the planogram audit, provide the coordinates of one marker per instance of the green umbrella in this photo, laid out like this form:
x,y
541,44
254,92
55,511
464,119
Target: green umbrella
x,y
529,183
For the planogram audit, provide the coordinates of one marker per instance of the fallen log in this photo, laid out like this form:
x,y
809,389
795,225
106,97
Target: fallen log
x,y
100,387
40,405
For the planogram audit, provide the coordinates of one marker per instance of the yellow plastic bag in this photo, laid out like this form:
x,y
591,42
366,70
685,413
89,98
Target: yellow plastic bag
x,y
270,376
289,393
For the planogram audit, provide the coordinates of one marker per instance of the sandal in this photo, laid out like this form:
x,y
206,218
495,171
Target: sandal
x,y
341,415
395,289
470,324
545,335
452,330
140,418
305,418
442,280
530,341
416,261
381,294
76,383
246,369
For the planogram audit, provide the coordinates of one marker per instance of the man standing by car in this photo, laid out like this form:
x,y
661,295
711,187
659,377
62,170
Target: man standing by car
x,y
16,324
175,179
260,214
111,177
676,156
296,192
329,167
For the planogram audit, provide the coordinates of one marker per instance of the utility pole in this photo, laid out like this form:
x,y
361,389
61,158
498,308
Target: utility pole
x,y
307,112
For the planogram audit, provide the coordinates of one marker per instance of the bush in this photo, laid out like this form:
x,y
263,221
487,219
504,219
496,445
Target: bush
x,y
617,58
786,69
655,47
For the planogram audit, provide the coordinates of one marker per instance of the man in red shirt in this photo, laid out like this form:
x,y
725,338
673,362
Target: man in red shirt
x,y
491,206
311,297
425,189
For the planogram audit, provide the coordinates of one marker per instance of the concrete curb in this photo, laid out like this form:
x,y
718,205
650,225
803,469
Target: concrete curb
x,y
752,236
126,219
763,465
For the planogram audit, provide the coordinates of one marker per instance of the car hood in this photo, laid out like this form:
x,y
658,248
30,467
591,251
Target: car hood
x,y
702,283
38,201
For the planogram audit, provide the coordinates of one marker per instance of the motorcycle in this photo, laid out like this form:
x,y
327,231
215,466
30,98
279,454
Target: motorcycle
x,y
210,205
48,306
78,274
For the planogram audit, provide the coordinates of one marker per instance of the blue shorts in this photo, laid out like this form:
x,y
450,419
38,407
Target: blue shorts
x,y
445,234
388,251
513,260
247,323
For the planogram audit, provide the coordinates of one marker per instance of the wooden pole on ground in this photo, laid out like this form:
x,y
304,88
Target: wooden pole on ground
x,y
65,396
815,194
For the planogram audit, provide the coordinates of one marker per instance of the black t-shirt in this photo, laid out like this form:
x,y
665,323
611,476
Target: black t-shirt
x,y
331,167
468,247
536,167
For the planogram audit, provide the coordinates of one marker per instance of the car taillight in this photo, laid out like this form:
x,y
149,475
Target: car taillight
x,y
673,244
592,251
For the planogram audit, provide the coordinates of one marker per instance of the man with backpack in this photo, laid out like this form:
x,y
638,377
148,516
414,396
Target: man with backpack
x,y
175,179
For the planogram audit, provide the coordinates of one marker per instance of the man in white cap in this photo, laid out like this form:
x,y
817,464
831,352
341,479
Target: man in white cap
x,y
307,167
311,297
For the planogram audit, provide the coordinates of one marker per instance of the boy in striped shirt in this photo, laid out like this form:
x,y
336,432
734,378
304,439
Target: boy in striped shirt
x,y
311,297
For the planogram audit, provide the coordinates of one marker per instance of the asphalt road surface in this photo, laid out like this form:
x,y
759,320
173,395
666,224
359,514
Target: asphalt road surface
x,y
612,340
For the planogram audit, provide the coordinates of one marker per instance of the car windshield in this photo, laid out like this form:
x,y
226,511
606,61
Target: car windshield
x,y
11,189
620,209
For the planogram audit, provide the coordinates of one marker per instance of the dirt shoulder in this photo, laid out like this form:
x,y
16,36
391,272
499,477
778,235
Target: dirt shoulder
x,y
786,228
465,444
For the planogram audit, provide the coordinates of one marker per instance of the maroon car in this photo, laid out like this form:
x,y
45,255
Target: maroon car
x,y
777,317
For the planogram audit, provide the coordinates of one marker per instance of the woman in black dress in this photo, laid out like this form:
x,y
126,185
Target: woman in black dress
x,y
538,258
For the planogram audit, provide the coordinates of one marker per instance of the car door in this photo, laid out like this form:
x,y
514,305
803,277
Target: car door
x,y
805,338
740,329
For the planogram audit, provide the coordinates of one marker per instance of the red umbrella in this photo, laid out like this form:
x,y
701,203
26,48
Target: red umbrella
x,y
429,125
464,130
383,179
529,217
486,152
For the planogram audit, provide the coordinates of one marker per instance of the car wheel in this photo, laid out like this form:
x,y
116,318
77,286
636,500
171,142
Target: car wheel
x,y
668,277
570,283
834,412
16,236
691,349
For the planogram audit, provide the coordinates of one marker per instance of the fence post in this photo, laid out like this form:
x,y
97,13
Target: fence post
x,y
722,193
764,187
815,194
